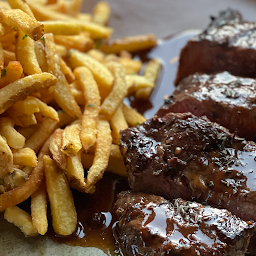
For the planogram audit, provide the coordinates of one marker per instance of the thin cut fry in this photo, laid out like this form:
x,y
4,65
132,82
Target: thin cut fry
x,y
75,172
61,27
22,5
21,219
101,157
64,217
42,134
136,82
25,54
13,72
14,138
129,44
39,210
55,148
71,143
101,74
21,88
151,73
92,100
19,19
25,157
61,90
119,91
101,13
132,117
118,123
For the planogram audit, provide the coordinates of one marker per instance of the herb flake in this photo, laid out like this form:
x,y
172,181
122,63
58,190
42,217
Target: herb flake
x,y
3,72
24,37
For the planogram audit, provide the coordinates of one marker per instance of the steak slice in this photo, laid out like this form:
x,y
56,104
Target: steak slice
x,y
228,44
181,155
150,225
223,98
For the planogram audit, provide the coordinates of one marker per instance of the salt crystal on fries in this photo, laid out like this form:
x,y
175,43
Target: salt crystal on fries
x,y
21,219
64,217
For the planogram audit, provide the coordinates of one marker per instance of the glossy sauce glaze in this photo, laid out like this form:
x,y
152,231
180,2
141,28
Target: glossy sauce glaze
x,y
95,214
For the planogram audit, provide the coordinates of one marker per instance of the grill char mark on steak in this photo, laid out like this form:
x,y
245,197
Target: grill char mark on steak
x,y
181,155
150,225
223,98
228,44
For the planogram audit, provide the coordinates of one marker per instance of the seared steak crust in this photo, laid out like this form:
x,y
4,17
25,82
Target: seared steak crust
x,y
223,98
181,155
228,44
150,225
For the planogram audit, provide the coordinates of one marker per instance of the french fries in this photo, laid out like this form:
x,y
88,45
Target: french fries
x,y
64,217
61,106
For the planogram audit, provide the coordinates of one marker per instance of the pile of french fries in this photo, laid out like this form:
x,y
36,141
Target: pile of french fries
x,y
62,87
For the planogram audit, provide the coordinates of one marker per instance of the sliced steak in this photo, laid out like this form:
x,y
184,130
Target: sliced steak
x,y
228,44
223,98
181,155
150,225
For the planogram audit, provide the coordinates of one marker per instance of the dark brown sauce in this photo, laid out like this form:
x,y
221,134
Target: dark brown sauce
x,y
95,212
95,216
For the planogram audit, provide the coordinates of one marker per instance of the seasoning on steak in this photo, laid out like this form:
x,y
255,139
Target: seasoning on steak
x,y
228,44
223,98
150,225
181,155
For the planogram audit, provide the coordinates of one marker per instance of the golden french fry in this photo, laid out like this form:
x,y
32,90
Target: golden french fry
x,y
118,123
44,13
20,89
61,27
22,5
101,74
61,50
27,131
132,117
16,18
55,148
92,100
6,158
64,217
81,42
130,44
115,163
8,56
96,54
1,58
40,55
75,172
39,210
65,119
8,40
14,139
20,219
131,66
38,138
61,90
71,143
136,82
119,91
12,72
25,157
20,194
23,120
101,157
101,13
151,73
66,70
